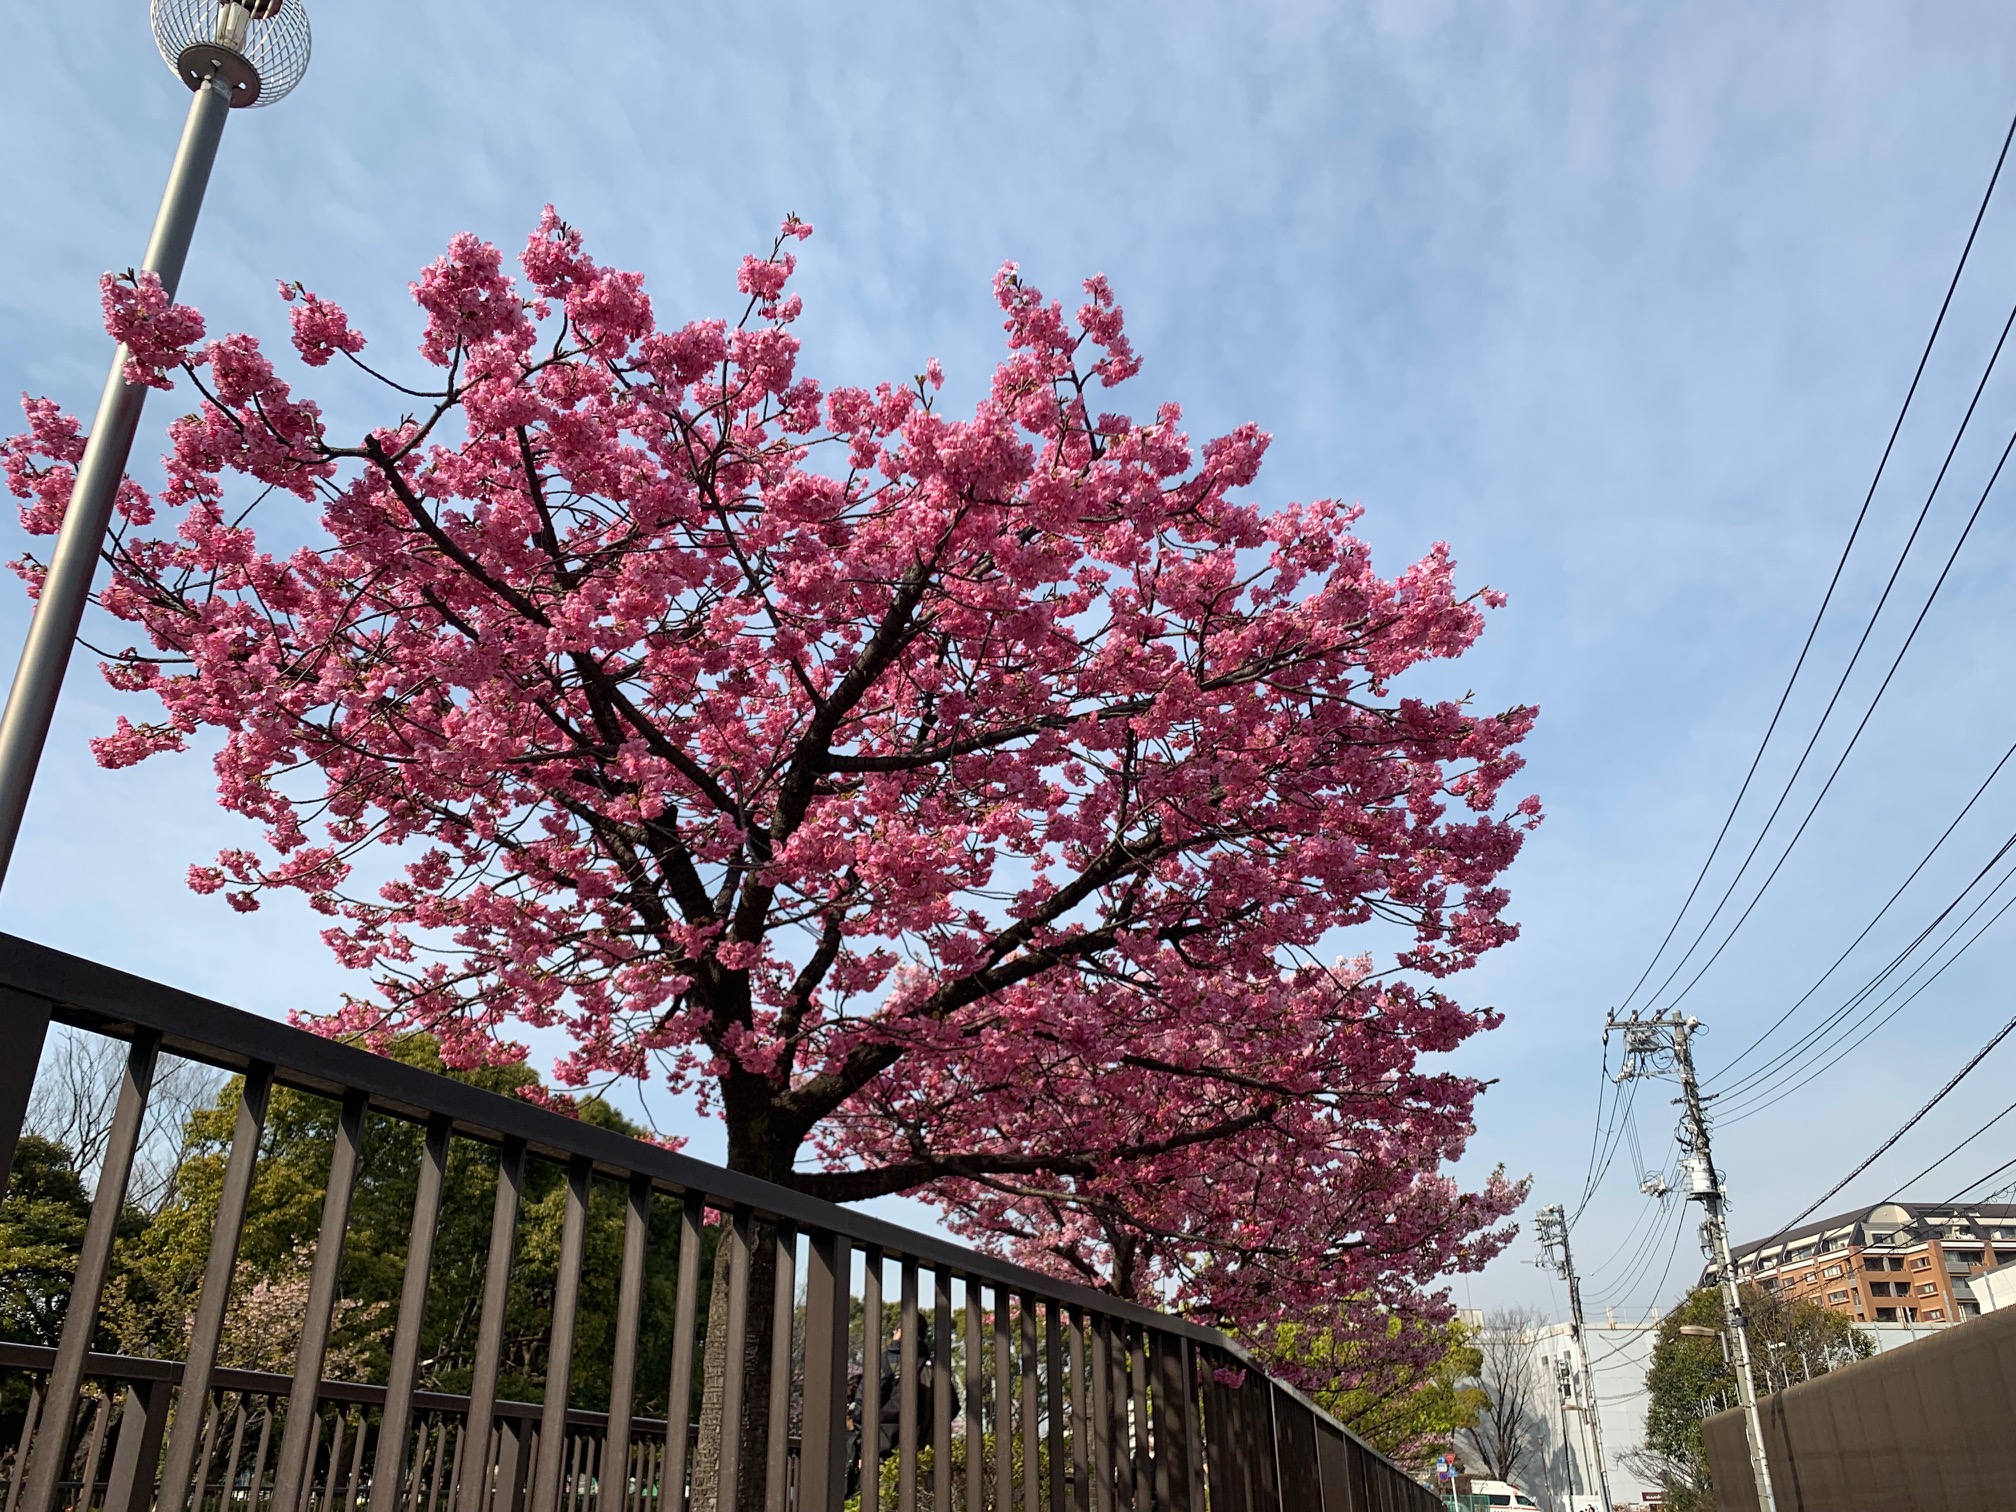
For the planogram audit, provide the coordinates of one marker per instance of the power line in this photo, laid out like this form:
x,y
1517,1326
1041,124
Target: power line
x,y
1621,1109
1867,714
1834,581
1875,919
1808,1046
1631,1237
1771,1094
1903,1129
1672,1250
1903,1185
1950,1201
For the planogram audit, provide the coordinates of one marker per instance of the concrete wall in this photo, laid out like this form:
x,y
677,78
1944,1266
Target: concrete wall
x,y
1927,1428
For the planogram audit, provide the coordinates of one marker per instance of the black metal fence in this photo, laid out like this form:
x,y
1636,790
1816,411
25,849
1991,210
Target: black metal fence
x,y
1071,1399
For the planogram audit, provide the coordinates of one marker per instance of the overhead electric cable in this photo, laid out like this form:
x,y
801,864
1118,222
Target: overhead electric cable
x,y
1773,1094
1908,1181
1875,919
1833,582
1874,1155
1882,688
1672,1250
1623,1105
1810,1040
1979,1181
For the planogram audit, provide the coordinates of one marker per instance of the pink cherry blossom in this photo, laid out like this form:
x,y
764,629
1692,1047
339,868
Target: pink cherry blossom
x,y
967,805
321,330
156,331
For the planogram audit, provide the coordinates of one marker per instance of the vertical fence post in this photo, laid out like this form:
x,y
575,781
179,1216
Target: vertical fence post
x,y
476,1464
207,1329
679,1390
868,1424
1081,1415
137,1451
777,1422
1172,1459
1102,1417
560,1343
1004,1405
51,1448
822,1470
941,1389
27,1021
295,1470
1053,1369
906,1389
1144,1469
614,1484
1032,1461
394,1422
734,1374
975,1408
1118,1426
1193,1447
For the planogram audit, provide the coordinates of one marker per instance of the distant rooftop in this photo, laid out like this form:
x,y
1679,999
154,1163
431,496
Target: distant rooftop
x,y
1877,1223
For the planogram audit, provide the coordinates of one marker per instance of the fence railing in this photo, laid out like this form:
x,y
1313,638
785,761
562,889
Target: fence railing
x,y
1011,1389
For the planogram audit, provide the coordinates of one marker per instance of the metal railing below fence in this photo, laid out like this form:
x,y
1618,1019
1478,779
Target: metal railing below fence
x,y
126,1404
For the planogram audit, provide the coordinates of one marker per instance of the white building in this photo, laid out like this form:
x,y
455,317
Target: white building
x,y
1559,1467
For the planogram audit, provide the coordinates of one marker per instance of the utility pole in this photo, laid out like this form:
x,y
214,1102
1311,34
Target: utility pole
x,y
1564,1391
1551,1226
1648,1042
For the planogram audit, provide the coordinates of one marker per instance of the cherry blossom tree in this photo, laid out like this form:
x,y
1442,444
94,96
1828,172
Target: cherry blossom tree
x,y
971,806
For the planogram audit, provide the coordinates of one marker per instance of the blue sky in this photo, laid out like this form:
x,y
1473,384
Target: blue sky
x,y
1618,299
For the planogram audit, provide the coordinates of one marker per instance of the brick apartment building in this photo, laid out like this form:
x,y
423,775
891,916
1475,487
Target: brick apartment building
x,y
1897,1262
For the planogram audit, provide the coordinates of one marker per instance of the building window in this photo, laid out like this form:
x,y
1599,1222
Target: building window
x,y
1929,1289
1935,1315
1886,1315
1961,1259
1837,1296
1921,1262
1879,1288
1832,1271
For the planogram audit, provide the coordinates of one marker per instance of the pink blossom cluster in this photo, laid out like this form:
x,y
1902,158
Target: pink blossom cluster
x,y
956,804
156,332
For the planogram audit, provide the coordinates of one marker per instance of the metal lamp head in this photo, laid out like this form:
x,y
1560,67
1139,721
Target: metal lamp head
x,y
257,48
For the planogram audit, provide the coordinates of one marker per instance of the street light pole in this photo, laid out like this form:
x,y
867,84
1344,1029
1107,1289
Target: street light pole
x,y
234,53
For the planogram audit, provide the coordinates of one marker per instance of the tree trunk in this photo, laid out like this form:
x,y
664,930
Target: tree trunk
x,y
758,1326
758,1157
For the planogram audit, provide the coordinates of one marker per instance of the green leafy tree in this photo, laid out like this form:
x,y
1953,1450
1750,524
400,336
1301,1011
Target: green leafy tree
x,y
1690,1381
41,1234
1410,1413
160,1267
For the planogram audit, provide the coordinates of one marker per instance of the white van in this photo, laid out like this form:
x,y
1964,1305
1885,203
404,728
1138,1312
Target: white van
x,y
1501,1494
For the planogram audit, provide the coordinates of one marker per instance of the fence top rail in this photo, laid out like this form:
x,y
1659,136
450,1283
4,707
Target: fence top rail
x,y
90,995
